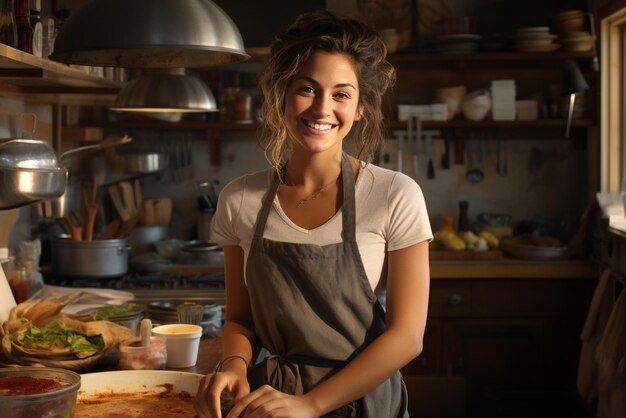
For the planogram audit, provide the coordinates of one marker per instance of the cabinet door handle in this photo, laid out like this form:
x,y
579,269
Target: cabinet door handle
x,y
455,299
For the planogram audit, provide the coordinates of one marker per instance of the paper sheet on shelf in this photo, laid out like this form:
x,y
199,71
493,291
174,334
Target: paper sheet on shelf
x,y
87,297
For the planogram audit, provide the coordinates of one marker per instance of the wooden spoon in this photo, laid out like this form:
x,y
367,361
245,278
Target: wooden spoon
x,y
91,208
116,198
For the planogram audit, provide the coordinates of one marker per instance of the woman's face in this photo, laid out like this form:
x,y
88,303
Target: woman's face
x,y
322,102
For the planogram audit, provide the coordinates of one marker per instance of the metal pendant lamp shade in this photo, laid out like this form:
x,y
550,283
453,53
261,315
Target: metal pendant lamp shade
x,y
573,83
149,34
573,80
165,90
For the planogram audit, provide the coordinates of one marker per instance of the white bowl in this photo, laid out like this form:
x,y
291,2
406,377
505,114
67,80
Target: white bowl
x,y
182,342
476,105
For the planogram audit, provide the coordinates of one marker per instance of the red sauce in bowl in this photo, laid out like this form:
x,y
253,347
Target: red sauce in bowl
x,y
26,385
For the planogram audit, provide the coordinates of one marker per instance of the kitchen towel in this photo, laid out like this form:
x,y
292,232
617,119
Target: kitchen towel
x,y
609,353
599,311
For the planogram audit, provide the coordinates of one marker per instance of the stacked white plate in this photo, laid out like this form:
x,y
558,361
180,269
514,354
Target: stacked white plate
x,y
535,39
459,43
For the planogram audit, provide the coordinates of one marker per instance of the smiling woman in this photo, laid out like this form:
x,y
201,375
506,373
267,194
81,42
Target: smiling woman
x,y
328,237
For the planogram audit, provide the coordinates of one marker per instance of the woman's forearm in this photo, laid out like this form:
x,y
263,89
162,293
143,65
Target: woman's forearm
x,y
237,341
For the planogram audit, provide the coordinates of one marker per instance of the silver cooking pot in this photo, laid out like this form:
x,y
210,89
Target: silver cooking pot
x,y
98,258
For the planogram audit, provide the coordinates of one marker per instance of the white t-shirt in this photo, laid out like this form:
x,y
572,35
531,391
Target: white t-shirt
x,y
390,215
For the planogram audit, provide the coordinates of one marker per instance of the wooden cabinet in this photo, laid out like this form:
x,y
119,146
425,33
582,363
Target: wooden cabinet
x,y
505,341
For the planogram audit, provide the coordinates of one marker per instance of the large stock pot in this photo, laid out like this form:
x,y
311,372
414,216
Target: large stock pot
x,y
98,258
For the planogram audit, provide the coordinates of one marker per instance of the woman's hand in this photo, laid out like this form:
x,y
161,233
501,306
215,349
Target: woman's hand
x,y
207,402
268,402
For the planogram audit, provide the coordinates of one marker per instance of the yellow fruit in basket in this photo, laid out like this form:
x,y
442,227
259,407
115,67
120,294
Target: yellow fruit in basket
x,y
469,237
491,239
455,244
444,236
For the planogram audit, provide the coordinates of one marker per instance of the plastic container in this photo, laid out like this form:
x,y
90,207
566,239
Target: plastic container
x,y
182,342
56,403
134,356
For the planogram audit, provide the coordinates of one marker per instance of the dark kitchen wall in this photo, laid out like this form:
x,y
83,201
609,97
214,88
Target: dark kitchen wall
x,y
259,21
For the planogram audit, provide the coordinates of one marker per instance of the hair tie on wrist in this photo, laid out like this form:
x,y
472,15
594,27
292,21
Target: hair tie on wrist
x,y
218,366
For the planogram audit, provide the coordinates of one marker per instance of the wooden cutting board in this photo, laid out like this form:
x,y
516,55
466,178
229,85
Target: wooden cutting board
x,y
465,255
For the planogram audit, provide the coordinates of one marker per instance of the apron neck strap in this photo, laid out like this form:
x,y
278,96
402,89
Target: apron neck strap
x,y
347,208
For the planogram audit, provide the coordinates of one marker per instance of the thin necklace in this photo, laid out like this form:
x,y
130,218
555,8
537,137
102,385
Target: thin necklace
x,y
313,195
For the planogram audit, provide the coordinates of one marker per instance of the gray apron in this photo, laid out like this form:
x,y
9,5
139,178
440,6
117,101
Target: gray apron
x,y
314,310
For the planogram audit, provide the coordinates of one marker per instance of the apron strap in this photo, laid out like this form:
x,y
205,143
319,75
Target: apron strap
x,y
348,210
265,208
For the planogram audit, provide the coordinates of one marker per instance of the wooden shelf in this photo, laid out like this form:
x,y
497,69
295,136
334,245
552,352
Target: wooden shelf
x,y
509,56
407,56
463,123
194,125
44,80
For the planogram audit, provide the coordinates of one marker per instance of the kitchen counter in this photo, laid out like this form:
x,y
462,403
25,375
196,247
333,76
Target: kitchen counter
x,y
509,268
506,268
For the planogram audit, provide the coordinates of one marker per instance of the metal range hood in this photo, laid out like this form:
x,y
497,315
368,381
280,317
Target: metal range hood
x,y
149,34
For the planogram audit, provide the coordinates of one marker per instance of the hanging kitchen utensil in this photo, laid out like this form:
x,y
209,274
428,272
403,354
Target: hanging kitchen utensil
x,y
429,135
502,156
399,135
459,147
205,201
415,123
474,174
446,157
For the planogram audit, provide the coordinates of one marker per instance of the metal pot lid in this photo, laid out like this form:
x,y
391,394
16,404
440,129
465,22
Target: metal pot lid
x,y
29,172
28,154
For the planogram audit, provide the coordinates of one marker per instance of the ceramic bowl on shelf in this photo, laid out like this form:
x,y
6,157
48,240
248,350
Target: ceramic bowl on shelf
x,y
451,96
577,41
476,105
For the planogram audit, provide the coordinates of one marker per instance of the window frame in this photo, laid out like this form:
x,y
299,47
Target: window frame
x,y
613,100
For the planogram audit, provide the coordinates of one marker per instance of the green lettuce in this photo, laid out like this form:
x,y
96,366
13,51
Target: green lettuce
x,y
110,311
52,336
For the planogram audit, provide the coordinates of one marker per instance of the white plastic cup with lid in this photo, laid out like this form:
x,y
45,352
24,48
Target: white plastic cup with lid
x,y
182,342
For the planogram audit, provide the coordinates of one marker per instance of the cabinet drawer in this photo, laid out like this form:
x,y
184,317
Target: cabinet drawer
x,y
528,298
495,298
450,299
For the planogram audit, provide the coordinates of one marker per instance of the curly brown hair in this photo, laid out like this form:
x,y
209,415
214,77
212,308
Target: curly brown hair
x,y
323,31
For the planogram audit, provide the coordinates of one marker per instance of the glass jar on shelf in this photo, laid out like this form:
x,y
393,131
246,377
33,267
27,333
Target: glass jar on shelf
x,y
24,29
229,90
8,26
